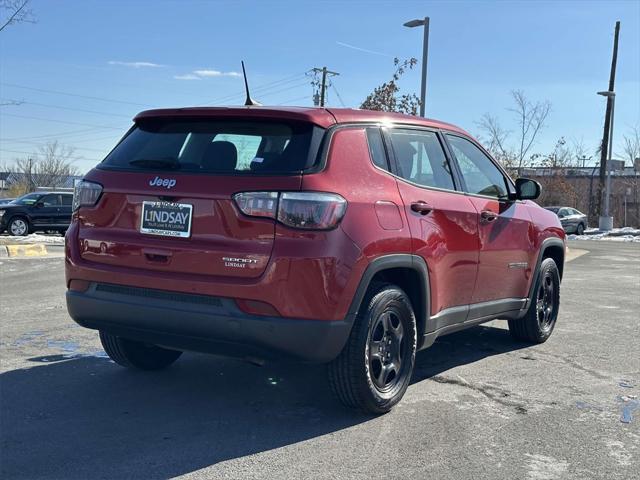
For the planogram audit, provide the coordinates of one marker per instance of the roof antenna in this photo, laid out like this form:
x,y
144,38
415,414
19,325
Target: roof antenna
x,y
249,101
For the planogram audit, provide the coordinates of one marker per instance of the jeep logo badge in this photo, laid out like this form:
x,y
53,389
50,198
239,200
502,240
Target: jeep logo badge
x,y
163,182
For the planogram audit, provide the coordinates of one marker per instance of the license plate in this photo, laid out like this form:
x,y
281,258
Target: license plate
x,y
166,218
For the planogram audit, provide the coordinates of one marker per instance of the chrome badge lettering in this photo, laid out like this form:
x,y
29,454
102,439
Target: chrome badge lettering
x,y
518,265
163,182
234,262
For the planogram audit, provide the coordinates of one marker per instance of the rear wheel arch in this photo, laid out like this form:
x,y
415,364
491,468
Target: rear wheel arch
x,y
408,272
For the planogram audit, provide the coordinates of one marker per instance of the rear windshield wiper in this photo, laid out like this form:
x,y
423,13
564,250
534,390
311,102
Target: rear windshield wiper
x,y
170,163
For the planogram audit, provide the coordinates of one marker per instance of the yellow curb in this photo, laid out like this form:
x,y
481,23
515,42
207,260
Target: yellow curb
x,y
574,253
35,250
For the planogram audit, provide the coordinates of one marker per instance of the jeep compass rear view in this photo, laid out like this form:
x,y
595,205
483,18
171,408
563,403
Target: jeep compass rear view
x,y
338,236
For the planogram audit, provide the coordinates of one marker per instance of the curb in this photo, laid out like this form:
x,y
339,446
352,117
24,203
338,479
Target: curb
x,y
33,250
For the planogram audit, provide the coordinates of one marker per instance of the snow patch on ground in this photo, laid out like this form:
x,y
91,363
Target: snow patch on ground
x,y
33,238
625,234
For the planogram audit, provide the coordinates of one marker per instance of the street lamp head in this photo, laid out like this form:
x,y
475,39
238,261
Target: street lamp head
x,y
607,94
415,23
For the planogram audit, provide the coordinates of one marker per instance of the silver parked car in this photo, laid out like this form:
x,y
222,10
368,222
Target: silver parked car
x,y
572,220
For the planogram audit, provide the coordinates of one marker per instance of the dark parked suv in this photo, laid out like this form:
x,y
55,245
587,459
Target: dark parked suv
x,y
349,237
39,211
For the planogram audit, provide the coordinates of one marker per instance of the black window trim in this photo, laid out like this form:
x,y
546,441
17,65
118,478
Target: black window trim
x,y
386,136
508,180
384,147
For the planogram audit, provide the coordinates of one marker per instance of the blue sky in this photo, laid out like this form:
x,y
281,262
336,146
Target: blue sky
x,y
86,67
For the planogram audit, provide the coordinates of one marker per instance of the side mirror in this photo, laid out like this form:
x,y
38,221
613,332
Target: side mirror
x,y
39,204
527,189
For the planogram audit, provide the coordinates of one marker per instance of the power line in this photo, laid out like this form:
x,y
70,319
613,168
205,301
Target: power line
x,y
32,153
292,87
60,107
60,134
338,95
41,144
304,97
60,121
57,92
286,89
260,89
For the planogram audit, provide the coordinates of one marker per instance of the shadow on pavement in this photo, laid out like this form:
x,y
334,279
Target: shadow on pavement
x,y
463,348
88,418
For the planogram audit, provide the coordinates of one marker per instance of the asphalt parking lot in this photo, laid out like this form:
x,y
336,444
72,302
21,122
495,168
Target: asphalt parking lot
x,y
480,405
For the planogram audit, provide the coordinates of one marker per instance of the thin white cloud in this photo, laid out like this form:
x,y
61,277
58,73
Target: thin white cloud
x,y
360,49
208,73
187,76
135,64
215,73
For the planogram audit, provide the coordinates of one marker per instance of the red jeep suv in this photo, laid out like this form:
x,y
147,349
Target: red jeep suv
x,y
349,237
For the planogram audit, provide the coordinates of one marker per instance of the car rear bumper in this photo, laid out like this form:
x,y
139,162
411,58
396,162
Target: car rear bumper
x,y
203,323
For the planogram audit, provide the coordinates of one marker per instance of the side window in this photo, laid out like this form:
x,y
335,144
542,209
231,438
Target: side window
x,y
480,174
564,212
420,158
376,148
67,200
51,200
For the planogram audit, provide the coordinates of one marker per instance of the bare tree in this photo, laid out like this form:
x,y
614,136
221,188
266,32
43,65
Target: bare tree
x,y
385,97
49,167
55,164
15,11
631,146
514,149
496,140
561,156
580,152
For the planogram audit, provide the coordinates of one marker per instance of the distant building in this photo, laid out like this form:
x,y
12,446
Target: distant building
x,y
577,187
36,181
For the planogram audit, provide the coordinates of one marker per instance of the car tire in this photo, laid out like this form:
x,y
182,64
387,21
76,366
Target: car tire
x,y
18,227
373,371
580,229
540,320
137,355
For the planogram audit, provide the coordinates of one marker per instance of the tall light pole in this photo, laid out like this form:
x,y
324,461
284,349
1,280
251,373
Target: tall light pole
x,y
425,53
605,221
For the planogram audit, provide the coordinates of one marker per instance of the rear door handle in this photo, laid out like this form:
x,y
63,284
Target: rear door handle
x,y
423,208
488,215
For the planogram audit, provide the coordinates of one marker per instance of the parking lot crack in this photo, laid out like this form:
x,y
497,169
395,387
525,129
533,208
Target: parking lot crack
x,y
492,393
574,364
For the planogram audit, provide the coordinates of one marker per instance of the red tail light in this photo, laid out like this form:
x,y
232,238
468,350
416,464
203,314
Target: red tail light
x,y
304,210
257,204
86,194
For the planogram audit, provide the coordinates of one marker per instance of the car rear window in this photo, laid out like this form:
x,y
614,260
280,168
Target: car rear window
x,y
225,147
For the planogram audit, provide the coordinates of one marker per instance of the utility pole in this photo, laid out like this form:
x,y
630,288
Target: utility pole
x,y
30,175
323,83
606,136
